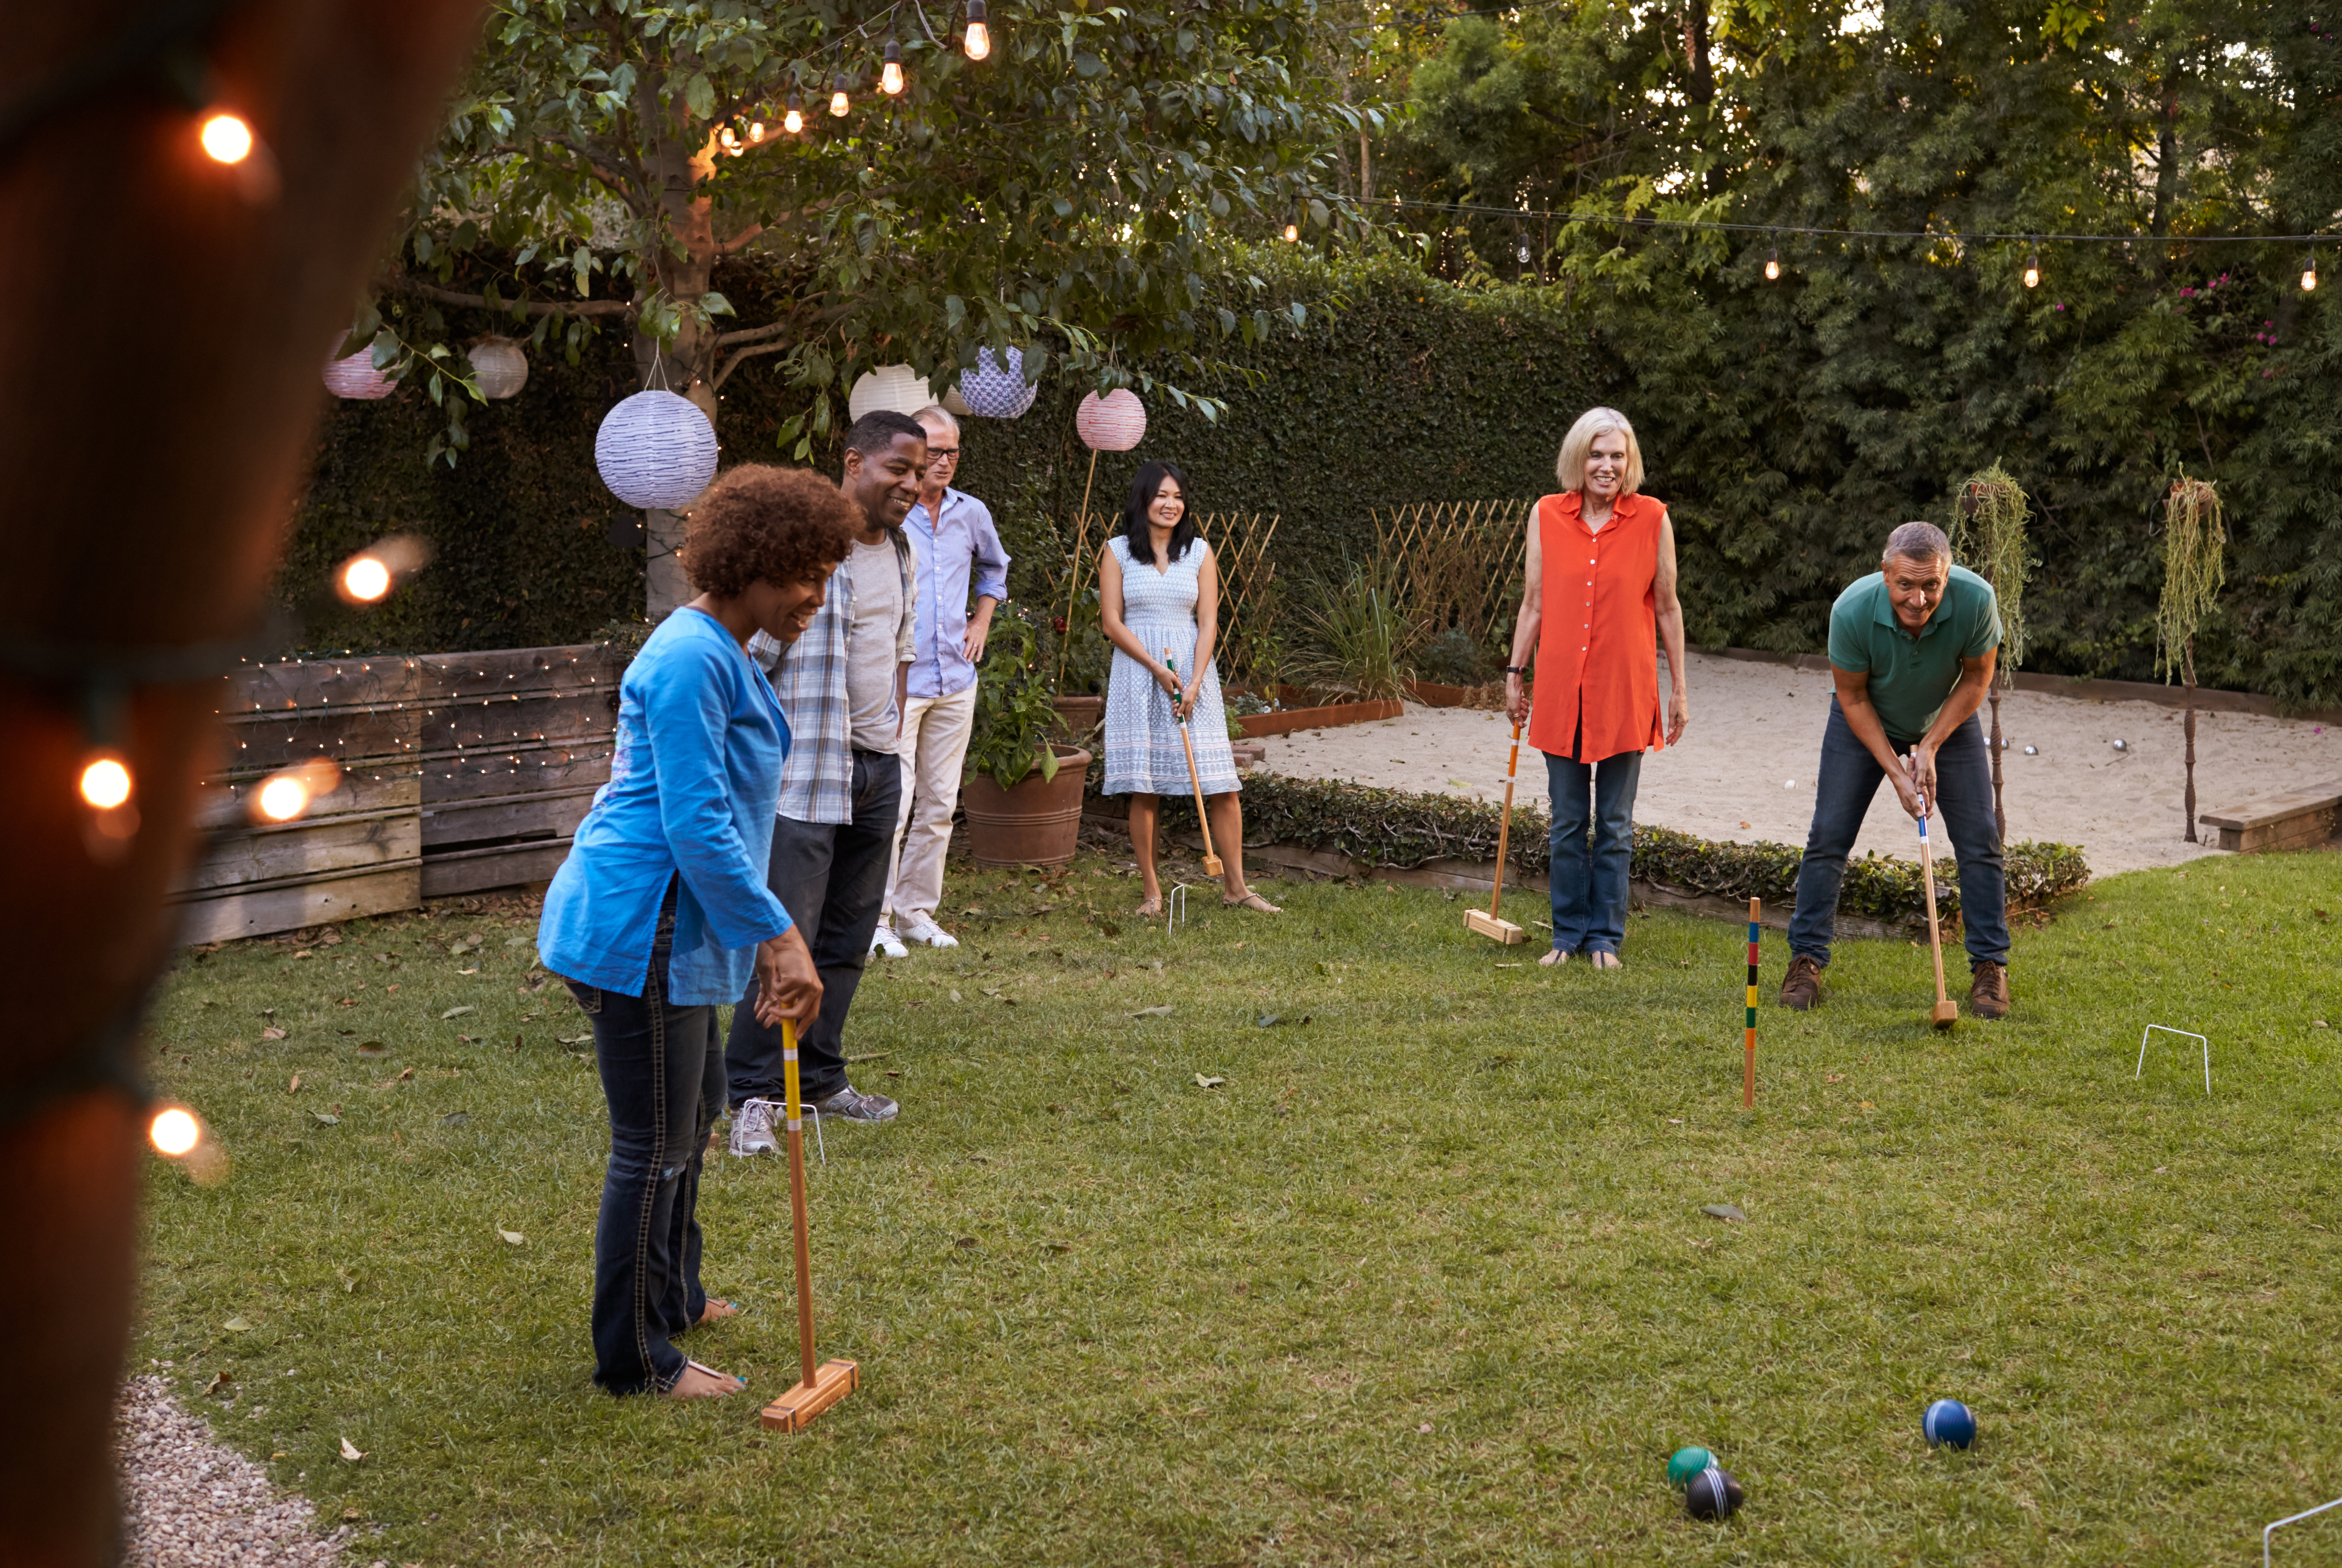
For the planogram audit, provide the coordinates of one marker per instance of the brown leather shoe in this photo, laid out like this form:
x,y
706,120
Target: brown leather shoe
x,y
1989,992
1801,988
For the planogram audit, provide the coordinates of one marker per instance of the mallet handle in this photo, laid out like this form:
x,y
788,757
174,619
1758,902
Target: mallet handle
x,y
1194,779
1504,826
798,1201
1748,1066
1927,875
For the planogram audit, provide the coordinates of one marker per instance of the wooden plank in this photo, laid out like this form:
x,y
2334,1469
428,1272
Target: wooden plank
x,y
505,865
556,812
366,788
498,671
519,770
262,912
307,849
322,683
517,719
1286,721
263,743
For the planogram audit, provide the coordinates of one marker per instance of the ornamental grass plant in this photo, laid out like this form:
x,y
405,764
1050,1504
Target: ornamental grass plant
x,y
1422,1277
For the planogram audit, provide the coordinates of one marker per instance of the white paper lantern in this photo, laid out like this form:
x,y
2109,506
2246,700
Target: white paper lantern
x,y
1115,423
992,392
655,450
895,386
499,366
356,376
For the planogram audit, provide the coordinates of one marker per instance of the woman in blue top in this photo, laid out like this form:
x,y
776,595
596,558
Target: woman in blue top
x,y
662,911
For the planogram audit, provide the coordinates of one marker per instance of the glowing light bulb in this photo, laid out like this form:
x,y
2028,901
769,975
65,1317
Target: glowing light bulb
x,y
1292,233
2032,271
365,579
977,42
756,131
227,138
890,77
283,798
175,1132
839,102
726,137
2309,277
105,781
794,121
1773,267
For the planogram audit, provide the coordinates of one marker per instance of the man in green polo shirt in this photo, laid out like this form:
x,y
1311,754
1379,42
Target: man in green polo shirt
x,y
1912,648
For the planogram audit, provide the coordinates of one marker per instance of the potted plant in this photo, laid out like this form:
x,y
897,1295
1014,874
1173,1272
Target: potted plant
x,y
1023,793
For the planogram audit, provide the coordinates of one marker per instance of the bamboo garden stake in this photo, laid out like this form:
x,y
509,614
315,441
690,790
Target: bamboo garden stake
x,y
1211,861
817,1387
1492,925
1993,515
2193,571
1748,1040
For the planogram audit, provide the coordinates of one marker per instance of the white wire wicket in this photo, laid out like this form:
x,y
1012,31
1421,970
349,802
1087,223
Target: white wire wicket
x,y
2185,1034
1174,908
2266,1531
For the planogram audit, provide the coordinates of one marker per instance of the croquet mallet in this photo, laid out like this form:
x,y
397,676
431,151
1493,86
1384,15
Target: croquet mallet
x,y
1947,1012
1494,925
817,1387
1211,861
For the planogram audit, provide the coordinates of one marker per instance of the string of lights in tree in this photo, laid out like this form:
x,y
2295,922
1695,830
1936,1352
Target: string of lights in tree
x,y
1774,233
893,78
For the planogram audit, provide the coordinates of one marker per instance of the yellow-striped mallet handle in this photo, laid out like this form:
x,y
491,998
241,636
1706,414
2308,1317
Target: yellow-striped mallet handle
x,y
797,1201
1505,825
1749,1068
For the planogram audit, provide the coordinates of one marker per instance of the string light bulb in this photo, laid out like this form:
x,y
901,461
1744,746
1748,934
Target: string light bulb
x,y
2033,271
368,577
2309,273
794,121
1773,265
227,137
105,781
839,101
978,40
890,75
365,579
726,136
175,1132
756,131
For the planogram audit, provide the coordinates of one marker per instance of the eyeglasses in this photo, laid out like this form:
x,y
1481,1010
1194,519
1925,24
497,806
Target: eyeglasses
x,y
942,454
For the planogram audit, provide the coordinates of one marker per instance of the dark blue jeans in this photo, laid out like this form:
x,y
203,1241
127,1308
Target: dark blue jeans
x,y
1593,849
1849,777
664,1079
830,878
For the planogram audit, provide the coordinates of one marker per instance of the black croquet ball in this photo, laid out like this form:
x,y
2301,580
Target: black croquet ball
x,y
1712,1494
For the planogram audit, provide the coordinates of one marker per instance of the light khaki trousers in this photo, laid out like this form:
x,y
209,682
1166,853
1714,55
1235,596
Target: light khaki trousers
x,y
933,751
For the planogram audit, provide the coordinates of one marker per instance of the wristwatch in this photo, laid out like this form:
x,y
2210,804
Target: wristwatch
x,y
1517,669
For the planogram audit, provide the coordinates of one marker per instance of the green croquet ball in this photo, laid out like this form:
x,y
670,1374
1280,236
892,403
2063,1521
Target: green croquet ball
x,y
1686,1464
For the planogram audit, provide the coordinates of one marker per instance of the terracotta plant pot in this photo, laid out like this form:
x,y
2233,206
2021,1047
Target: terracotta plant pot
x,y
1036,824
1077,717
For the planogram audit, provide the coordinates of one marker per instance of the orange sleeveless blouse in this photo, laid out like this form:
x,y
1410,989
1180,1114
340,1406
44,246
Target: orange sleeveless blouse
x,y
1597,660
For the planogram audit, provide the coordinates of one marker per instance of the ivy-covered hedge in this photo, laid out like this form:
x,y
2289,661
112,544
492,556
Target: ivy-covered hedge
x,y
1402,829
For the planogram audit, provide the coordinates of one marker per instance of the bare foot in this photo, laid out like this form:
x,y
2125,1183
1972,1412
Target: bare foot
x,y
1251,901
699,1381
1553,959
716,1312
1149,907
1606,961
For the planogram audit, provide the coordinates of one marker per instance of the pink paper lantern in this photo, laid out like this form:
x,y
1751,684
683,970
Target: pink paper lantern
x,y
1115,423
356,376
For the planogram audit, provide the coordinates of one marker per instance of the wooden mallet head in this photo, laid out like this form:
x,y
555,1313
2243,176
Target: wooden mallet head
x,y
1945,1015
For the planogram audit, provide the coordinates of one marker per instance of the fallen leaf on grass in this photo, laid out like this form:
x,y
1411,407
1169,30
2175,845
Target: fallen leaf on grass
x,y
272,1032
467,971
350,1451
1869,1106
1203,1082
325,1121
1268,1020
965,1242
574,1039
239,1324
1513,967
955,995
1833,1077
1109,929
453,1013
373,1048
404,1073
512,1238
454,1118
220,1379
1162,1011
1727,1213
1059,1246
294,1086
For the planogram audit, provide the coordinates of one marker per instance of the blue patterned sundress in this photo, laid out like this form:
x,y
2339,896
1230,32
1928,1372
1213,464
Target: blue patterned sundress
x,y
1143,754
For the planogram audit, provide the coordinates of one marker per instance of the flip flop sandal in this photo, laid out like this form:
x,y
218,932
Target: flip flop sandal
x,y
1251,901
716,1310
1554,958
737,1383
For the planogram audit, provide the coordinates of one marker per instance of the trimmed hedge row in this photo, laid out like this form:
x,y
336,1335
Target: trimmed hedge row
x,y
1402,829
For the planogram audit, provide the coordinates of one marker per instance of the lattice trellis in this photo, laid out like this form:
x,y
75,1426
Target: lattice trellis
x,y
1240,539
1458,562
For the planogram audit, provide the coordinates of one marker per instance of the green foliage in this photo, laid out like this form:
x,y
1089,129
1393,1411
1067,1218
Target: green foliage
x,y
1353,640
2194,547
1990,542
1015,709
1403,828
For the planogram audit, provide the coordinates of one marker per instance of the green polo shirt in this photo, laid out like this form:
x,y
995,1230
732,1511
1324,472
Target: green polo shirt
x,y
1911,676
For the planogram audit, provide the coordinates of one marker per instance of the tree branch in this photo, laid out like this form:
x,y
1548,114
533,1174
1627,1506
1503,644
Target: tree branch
x,y
740,241
724,374
751,334
532,307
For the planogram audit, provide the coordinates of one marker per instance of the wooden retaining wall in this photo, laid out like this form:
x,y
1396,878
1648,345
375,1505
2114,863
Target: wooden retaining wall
x,y
460,772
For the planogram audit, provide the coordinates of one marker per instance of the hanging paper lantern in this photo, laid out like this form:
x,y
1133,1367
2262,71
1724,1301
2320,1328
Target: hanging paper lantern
x,y
895,386
1115,423
356,376
655,450
499,366
955,406
991,392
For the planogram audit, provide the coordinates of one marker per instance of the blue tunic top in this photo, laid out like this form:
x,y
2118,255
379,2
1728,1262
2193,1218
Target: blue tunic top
x,y
695,779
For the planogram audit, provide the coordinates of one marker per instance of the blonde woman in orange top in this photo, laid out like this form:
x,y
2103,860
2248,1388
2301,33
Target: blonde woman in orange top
x,y
1600,600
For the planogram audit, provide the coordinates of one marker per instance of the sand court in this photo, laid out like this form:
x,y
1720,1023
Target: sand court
x,y
1744,770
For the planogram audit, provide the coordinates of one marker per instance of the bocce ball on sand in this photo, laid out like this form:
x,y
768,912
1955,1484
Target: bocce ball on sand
x,y
1686,1464
1712,1494
1948,1423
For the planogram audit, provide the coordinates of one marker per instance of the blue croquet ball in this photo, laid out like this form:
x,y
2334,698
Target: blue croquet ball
x,y
1686,1464
1712,1494
1948,1423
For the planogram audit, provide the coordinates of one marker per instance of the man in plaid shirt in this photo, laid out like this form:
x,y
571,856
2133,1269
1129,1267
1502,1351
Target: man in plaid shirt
x,y
841,686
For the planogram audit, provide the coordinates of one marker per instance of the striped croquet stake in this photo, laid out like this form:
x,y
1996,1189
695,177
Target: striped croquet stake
x,y
1749,1068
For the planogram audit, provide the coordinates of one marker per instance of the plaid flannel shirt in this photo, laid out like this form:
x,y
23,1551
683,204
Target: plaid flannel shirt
x,y
810,678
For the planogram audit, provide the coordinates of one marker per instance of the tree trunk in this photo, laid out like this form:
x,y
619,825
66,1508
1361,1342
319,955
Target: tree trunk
x,y
1999,817
2188,670
344,95
686,363
2166,170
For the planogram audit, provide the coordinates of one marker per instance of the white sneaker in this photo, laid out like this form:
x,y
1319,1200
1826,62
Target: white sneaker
x,y
884,940
751,1126
927,933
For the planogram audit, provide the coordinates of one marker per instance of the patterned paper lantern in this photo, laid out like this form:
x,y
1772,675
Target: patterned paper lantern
x,y
895,386
655,450
992,392
1115,423
356,376
499,366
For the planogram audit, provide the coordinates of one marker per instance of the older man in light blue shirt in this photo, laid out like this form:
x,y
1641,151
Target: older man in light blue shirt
x,y
958,550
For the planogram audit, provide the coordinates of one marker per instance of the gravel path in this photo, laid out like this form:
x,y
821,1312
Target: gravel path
x,y
194,1503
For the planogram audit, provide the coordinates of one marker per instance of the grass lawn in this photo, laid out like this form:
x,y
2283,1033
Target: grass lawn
x,y
1424,1279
